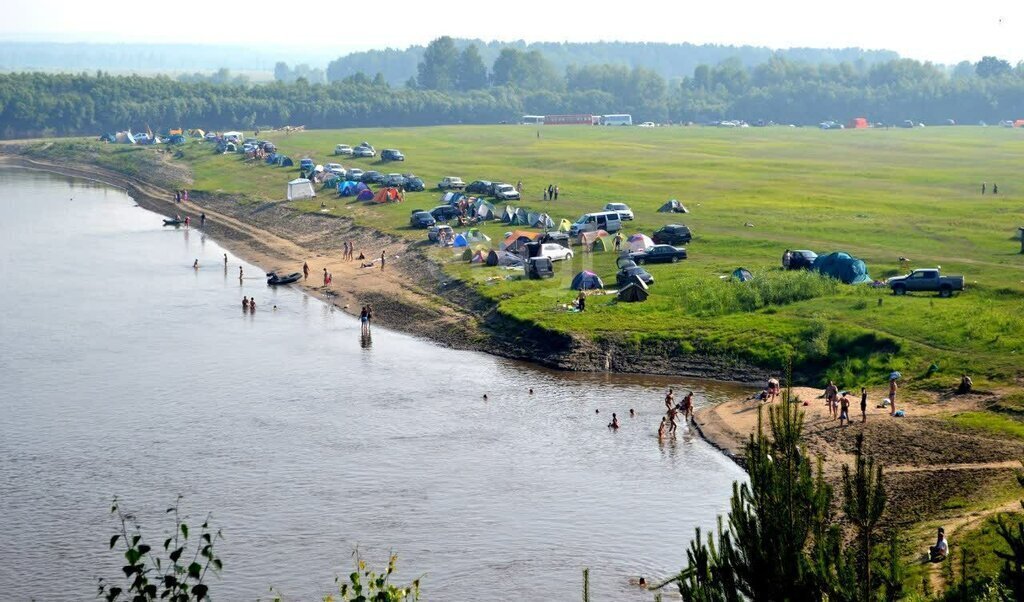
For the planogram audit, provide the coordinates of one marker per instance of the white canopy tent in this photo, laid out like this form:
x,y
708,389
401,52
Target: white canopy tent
x,y
300,188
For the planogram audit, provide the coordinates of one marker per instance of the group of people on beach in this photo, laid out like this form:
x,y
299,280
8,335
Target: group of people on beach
x,y
180,195
838,402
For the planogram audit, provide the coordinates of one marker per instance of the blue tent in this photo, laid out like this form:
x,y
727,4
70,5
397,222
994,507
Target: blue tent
x,y
365,194
272,158
742,274
108,137
350,188
586,281
842,266
460,241
177,139
286,162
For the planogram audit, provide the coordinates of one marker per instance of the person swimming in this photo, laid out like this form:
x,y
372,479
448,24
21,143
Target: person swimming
x,y
614,424
531,390
252,304
195,264
661,428
632,414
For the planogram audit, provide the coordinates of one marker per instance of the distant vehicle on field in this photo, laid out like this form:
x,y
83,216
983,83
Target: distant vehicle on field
x,y
343,149
451,183
355,174
929,279
619,119
647,124
413,183
659,254
801,259
672,234
372,177
434,233
364,150
480,187
505,192
624,211
443,213
391,154
394,179
555,251
630,270
609,221
421,219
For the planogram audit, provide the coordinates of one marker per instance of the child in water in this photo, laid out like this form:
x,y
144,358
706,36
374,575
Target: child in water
x,y
615,422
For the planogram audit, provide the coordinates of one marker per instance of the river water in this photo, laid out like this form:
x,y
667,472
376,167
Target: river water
x,y
129,373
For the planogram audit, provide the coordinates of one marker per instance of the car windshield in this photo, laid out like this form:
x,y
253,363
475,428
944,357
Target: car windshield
x,y
616,206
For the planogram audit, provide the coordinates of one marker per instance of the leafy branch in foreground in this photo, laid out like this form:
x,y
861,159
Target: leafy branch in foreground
x,y
364,585
148,575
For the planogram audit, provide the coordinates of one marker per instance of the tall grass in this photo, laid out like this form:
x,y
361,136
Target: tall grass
x,y
714,296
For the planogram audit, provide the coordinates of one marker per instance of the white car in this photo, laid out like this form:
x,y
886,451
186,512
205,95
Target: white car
x,y
555,251
646,124
333,166
343,149
623,210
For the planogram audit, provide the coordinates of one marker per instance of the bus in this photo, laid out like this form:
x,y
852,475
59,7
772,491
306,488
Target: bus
x,y
576,119
533,120
617,119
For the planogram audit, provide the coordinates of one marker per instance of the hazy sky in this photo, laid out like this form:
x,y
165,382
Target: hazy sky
x,y
938,31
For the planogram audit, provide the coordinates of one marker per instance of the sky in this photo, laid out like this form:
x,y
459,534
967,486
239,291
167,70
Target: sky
x,y
925,31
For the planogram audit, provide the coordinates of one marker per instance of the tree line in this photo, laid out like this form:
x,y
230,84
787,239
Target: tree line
x,y
454,86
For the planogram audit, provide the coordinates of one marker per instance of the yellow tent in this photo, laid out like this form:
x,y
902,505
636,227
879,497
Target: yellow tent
x,y
564,225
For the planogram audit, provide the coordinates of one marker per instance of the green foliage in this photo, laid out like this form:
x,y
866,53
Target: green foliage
x,y
1011,530
863,504
438,70
366,585
149,575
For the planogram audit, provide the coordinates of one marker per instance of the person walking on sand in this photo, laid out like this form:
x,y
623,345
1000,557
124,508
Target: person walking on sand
x,y
305,270
863,404
831,391
893,387
844,410
382,259
177,196
325,276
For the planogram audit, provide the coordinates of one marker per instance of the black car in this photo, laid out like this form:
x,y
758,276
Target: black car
x,y
394,179
443,213
480,187
626,274
414,184
659,254
372,177
421,219
672,234
799,260
391,154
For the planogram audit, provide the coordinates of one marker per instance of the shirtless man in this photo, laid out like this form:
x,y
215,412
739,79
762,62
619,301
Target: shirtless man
x,y
669,398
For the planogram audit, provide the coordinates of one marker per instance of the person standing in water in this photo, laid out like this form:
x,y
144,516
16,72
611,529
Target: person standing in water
x,y
614,424
252,304
225,261
669,400
661,428
245,303
364,320
240,274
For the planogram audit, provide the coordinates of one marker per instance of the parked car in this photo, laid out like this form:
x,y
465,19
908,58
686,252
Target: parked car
x,y
926,280
391,154
505,192
434,232
210,136
609,221
394,179
801,259
443,213
659,254
624,211
646,124
372,177
672,234
306,164
451,183
421,219
479,187
364,151
625,275
414,184
343,149
354,174
555,251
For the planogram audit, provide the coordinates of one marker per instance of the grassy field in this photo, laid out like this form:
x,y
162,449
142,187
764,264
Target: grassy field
x,y
878,194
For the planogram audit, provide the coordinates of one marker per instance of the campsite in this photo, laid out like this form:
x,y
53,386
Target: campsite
x,y
749,194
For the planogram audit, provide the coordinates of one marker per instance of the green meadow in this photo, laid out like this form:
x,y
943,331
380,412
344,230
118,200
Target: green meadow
x,y
752,193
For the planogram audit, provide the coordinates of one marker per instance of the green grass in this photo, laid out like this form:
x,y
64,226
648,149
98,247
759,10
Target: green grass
x,y
990,422
879,194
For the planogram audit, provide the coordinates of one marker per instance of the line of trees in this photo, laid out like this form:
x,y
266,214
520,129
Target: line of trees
x,y
455,86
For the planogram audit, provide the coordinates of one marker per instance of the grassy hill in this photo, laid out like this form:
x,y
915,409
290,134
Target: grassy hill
x,y
878,194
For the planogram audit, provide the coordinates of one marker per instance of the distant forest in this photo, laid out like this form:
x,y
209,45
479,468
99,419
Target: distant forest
x,y
670,61
454,84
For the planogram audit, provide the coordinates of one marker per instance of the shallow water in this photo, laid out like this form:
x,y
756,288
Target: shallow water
x,y
129,373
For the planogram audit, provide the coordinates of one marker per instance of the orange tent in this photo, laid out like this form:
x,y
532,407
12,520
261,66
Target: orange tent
x,y
1018,123
858,123
388,195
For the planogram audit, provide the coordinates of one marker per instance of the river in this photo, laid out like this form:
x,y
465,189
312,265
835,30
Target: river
x,y
129,373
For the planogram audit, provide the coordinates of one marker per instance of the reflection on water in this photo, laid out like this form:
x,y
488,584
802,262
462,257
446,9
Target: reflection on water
x,y
131,374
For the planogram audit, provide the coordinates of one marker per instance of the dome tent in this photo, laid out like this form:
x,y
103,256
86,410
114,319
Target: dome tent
x,y
843,267
742,274
635,291
639,242
460,241
586,280
673,206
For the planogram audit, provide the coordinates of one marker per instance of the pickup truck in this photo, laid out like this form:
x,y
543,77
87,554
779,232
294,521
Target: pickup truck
x,y
926,280
451,183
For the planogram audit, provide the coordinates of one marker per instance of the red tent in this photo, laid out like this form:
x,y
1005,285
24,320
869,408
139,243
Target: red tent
x,y
387,195
858,123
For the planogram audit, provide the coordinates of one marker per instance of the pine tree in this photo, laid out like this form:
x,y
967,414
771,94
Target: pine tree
x,y
863,504
1012,573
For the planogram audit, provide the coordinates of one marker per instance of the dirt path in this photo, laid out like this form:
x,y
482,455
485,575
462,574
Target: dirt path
x,y
955,528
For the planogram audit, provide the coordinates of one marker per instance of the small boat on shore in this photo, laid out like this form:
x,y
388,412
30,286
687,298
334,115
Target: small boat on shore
x,y
274,279
174,222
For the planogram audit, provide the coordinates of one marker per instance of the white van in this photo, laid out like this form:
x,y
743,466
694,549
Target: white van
x,y
609,221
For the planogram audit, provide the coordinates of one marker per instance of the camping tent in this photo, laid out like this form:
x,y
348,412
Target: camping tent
x,y
108,137
521,218
586,280
742,274
300,188
634,291
331,181
508,214
125,138
842,266
543,220
177,139
387,195
602,243
532,217
478,257
503,258
236,136
460,241
286,162
485,211
587,238
365,195
564,226
673,206
857,123
475,235
350,188
639,242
